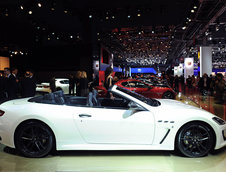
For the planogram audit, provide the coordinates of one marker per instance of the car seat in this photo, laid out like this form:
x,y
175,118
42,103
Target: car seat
x,y
49,98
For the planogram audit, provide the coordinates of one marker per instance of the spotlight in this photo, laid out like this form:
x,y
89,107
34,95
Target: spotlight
x,y
30,12
192,11
21,7
217,28
39,5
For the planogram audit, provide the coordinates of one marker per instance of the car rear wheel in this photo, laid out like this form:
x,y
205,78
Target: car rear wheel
x,y
34,139
168,95
194,140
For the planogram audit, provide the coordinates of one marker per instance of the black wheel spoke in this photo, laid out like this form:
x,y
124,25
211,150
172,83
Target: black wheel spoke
x,y
34,140
195,140
203,147
37,146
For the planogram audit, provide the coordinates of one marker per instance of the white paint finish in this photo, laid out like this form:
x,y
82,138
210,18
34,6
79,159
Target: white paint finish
x,y
107,129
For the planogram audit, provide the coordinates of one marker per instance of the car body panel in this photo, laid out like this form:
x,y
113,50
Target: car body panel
x,y
104,128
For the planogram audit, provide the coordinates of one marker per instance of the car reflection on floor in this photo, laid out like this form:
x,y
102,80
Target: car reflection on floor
x,y
205,102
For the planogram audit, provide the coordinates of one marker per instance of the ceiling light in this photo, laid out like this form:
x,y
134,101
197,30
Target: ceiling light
x,y
30,12
192,11
184,27
128,16
39,5
217,28
71,36
21,7
138,14
90,16
195,7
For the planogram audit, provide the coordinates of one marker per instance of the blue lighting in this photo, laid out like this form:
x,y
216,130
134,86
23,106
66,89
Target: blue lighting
x,y
143,70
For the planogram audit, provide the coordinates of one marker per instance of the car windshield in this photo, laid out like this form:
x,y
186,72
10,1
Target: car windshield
x,y
149,101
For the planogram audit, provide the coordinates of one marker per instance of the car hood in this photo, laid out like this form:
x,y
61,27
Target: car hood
x,y
175,110
174,104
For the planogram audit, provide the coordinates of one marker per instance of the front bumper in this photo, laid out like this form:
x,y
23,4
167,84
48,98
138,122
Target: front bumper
x,y
224,134
221,137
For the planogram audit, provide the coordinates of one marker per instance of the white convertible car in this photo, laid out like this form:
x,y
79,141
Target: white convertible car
x,y
129,121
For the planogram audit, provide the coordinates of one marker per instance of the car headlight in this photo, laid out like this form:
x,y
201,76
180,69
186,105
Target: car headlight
x,y
219,120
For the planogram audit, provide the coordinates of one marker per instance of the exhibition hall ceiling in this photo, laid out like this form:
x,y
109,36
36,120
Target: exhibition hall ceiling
x,y
144,32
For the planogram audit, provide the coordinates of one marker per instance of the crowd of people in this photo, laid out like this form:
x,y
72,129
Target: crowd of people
x,y
205,85
12,87
82,83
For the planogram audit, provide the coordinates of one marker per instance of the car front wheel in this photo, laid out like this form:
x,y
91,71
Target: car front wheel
x,y
194,140
34,139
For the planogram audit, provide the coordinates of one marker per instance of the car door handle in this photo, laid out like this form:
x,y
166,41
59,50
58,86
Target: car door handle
x,y
84,115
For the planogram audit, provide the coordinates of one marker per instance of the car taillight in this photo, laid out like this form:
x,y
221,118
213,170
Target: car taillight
x,y
1,113
46,86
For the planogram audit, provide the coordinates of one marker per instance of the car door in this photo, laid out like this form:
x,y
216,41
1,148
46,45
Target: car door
x,y
115,125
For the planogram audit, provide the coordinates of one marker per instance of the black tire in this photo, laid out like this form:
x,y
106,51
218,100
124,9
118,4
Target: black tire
x,y
34,140
168,95
194,140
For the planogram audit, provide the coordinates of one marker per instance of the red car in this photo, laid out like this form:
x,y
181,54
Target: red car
x,y
151,91
147,90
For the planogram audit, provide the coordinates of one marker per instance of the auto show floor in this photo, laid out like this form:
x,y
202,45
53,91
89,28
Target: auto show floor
x,y
122,161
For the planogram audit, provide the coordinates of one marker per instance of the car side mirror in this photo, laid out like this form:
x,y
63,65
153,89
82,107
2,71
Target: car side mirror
x,y
132,105
133,108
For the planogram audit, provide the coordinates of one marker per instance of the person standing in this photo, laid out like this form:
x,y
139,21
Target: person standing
x,y
33,83
27,85
52,84
13,84
176,83
108,82
204,84
84,84
219,88
77,82
3,94
71,85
